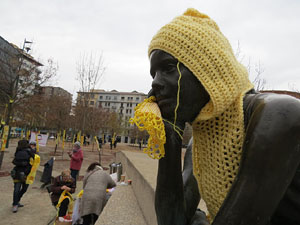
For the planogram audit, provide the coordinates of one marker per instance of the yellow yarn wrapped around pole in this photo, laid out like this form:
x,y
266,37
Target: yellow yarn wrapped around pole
x,y
147,117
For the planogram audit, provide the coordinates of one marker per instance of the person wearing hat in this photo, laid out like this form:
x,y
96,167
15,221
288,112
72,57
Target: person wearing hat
x,y
244,157
32,145
76,160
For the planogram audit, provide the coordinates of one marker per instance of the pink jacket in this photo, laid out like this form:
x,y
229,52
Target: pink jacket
x,y
76,160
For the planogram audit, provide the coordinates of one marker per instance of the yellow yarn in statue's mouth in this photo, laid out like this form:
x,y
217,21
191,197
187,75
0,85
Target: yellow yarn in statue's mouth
x,y
147,117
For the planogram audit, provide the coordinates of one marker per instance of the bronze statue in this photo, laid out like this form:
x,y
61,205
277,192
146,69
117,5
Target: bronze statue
x,y
246,144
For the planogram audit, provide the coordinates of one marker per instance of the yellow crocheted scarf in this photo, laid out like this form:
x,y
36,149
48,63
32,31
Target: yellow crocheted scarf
x,y
147,117
196,41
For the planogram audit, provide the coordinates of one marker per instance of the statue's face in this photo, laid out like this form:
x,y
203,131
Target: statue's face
x,y
193,96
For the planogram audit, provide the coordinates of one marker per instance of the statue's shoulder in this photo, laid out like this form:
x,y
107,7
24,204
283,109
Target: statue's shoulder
x,y
273,107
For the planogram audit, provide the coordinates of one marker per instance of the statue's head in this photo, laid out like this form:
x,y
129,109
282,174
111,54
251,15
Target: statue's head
x,y
211,77
164,69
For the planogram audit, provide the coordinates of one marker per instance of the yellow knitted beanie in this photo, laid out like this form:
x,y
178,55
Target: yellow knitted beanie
x,y
196,41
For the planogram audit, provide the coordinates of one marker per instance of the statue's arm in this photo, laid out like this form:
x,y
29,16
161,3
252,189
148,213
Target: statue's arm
x,y
191,192
177,195
271,154
169,198
190,185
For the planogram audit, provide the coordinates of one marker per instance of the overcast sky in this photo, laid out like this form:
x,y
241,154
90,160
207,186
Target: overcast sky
x,y
268,32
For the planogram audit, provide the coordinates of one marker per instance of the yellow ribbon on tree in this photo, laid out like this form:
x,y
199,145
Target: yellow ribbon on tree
x,y
97,142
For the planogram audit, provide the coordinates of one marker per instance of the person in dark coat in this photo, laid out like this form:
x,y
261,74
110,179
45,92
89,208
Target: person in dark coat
x,y
61,183
20,171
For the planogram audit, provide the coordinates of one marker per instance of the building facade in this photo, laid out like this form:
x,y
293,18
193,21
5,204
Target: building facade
x,y
18,67
19,75
122,103
49,91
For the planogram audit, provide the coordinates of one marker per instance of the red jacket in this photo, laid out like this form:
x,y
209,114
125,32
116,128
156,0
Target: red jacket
x,y
76,160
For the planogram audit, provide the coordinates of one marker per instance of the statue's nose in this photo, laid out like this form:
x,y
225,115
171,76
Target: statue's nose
x,y
157,83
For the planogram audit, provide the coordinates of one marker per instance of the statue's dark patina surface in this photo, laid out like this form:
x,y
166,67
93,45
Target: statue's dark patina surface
x,y
266,190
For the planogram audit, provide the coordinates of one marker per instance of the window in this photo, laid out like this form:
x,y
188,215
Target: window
x,y
137,98
92,95
115,97
101,97
92,102
122,98
107,97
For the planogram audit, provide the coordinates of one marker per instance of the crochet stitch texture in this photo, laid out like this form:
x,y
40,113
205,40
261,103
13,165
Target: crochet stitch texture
x,y
196,41
147,117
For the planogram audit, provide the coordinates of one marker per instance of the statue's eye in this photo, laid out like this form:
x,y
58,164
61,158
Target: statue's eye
x,y
169,68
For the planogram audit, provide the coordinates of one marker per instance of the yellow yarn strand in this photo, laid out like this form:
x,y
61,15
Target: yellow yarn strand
x,y
178,92
177,105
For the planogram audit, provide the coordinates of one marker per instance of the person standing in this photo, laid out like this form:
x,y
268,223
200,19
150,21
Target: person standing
x,y
76,160
19,174
94,198
32,145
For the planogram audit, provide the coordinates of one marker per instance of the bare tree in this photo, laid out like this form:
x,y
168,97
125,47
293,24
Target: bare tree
x,y
90,70
254,70
259,82
293,87
20,77
137,135
114,123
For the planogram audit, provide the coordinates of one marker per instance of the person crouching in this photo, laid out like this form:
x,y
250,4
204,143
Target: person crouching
x,y
63,184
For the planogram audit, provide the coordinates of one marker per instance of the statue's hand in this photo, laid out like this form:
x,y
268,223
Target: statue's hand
x,y
199,218
174,131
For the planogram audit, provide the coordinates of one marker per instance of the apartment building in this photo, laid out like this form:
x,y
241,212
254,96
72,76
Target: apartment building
x,y
122,103
17,66
49,91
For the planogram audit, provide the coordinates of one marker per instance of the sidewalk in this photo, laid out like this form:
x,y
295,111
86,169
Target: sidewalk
x,y
38,209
